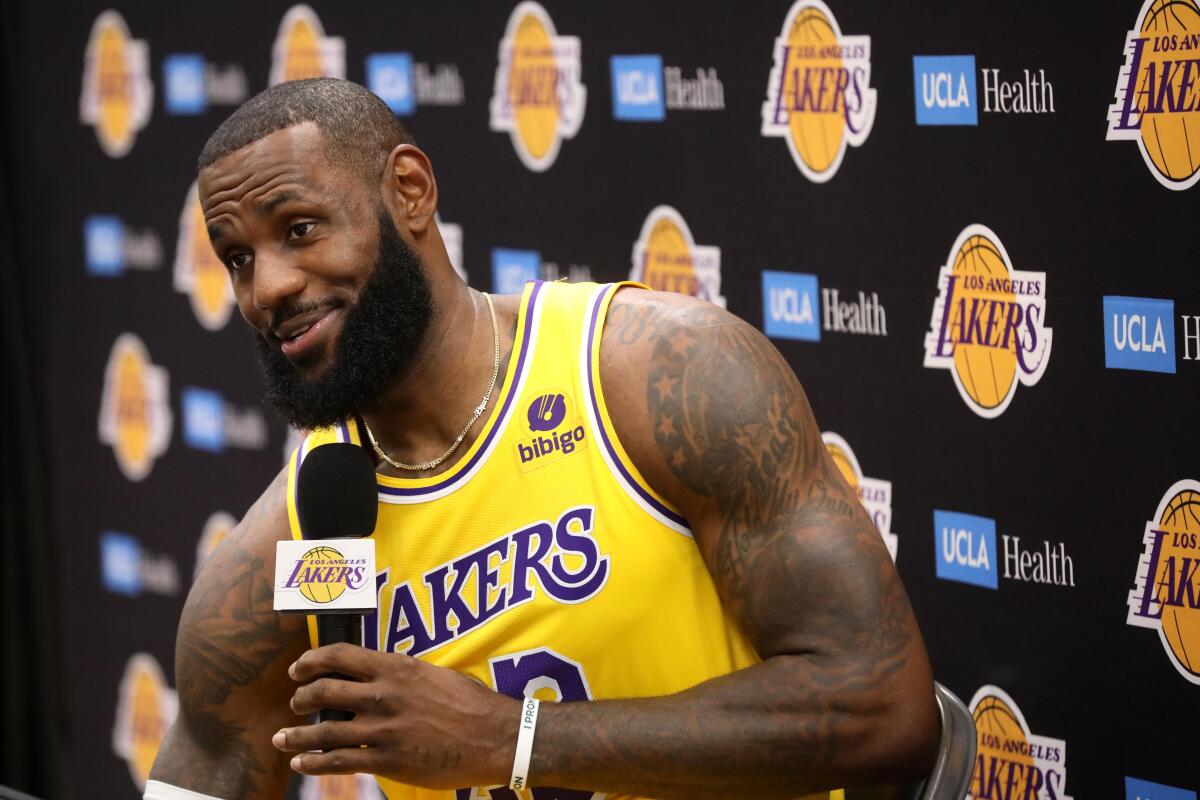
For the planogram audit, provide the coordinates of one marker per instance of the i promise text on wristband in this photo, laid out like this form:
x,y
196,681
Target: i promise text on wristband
x,y
520,771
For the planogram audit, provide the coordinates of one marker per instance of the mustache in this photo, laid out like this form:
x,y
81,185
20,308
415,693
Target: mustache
x,y
285,313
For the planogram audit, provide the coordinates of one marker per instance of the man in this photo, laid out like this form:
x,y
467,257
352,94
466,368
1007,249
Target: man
x,y
639,512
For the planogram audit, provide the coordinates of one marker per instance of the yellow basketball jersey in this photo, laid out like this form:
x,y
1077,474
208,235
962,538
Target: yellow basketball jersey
x,y
543,563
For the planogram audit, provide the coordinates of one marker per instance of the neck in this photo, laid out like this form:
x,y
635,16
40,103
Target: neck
x,y
425,410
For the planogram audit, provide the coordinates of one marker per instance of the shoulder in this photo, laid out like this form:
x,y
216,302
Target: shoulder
x,y
690,387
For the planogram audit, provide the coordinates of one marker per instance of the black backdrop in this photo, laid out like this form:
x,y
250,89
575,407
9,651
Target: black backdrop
x,y
1080,459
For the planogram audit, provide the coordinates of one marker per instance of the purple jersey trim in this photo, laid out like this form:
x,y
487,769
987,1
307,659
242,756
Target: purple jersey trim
x,y
653,501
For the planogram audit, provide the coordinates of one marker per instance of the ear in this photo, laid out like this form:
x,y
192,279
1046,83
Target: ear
x,y
409,189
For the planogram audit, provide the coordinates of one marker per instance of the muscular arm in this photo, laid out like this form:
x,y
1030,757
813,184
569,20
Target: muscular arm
x,y
231,658
716,420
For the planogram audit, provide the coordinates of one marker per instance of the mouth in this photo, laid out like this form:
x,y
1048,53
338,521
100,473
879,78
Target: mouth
x,y
301,335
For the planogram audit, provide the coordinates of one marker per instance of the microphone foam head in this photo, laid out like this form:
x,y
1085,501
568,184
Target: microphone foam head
x,y
336,494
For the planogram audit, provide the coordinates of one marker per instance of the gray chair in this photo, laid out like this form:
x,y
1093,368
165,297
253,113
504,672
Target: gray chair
x,y
950,777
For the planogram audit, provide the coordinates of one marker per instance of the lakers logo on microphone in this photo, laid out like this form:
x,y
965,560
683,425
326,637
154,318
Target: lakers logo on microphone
x,y
117,93
556,433
988,326
538,97
1158,91
819,97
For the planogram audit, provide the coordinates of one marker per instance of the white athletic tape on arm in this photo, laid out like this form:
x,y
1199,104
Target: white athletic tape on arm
x,y
157,790
529,715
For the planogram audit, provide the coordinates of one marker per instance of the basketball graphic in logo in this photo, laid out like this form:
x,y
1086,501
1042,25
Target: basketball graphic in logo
x,y
667,258
135,418
302,50
819,97
538,96
1011,761
1158,94
117,93
988,323
1166,596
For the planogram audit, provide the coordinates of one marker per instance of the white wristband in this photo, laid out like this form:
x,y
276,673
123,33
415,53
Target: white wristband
x,y
520,773
157,790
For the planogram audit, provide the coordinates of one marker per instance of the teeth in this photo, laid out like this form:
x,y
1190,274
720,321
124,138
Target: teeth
x,y
299,333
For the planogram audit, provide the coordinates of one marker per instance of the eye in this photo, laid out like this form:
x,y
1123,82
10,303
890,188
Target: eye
x,y
238,260
300,229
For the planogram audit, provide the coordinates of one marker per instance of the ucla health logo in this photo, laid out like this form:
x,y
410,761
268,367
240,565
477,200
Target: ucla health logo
x,y
128,568
117,93
1011,761
512,269
191,85
302,50
643,89
212,424
819,96
1166,593
198,273
111,247
1139,333
944,87
555,436
1138,789
135,418
1158,91
790,306
146,707
539,98
404,84
667,258
874,494
988,323
965,548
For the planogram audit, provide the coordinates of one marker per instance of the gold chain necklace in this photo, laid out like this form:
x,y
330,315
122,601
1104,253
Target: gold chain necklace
x,y
478,409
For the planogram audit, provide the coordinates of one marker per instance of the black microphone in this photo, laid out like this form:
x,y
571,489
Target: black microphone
x,y
337,498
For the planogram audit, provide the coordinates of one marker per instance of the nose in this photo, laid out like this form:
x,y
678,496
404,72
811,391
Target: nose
x,y
276,279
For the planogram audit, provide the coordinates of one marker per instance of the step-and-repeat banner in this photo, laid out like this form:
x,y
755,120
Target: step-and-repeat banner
x,y
971,228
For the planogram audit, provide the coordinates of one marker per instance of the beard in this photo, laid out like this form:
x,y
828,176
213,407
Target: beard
x,y
380,333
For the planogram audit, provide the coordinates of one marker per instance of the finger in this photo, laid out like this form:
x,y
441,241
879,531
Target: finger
x,y
343,659
329,693
336,762
321,736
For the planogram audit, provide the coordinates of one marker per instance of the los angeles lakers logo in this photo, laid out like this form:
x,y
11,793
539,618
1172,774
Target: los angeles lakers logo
x,y
1166,595
539,97
1158,91
198,272
302,50
988,323
874,494
819,96
216,530
1011,762
117,93
323,574
146,707
135,417
667,258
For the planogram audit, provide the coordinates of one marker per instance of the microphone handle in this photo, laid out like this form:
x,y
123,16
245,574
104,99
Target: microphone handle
x,y
331,629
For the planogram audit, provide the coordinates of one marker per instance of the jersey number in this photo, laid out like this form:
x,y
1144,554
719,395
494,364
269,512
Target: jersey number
x,y
522,675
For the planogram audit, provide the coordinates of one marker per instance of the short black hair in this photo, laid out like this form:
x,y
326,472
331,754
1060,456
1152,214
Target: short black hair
x,y
358,128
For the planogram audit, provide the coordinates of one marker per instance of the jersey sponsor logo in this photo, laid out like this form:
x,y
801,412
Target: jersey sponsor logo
x,y
667,258
557,431
988,323
135,418
539,98
1012,763
819,96
146,707
111,247
558,560
1158,91
1166,593
216,530
128,568
302,50
873,493
198,272
404,85
1139,333
118,95
1138,789
190,84
643,89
